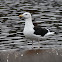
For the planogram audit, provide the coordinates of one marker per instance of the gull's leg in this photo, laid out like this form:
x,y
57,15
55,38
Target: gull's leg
x,y
38,45
32,44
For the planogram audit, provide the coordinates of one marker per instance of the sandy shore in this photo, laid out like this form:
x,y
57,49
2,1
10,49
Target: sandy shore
x,y
38,55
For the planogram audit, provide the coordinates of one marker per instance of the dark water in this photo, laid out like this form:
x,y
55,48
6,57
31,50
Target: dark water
x,y
47,13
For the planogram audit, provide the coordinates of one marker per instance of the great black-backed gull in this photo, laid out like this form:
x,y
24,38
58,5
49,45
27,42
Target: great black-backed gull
x,y
33,32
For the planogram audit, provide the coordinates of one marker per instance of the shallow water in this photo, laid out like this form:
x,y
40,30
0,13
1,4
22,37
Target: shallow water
x,y
45,13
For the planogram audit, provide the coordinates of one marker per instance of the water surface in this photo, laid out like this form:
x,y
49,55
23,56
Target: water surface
x,y
45,13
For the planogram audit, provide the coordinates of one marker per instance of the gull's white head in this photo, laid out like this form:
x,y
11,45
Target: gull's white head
x,y
26,15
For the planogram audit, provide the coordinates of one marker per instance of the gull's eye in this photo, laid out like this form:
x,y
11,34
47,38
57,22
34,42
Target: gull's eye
x,y
26,14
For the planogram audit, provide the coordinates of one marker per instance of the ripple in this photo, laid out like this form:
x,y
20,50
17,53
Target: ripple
x,y
44,13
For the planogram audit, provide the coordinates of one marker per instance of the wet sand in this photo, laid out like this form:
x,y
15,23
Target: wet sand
x,y
46,14
38,55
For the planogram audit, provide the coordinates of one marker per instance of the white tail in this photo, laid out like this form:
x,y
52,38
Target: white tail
x,y
49,33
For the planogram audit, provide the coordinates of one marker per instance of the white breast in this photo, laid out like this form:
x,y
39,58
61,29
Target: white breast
x,y
28,32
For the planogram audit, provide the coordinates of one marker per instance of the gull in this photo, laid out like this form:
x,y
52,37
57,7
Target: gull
x,y
33,32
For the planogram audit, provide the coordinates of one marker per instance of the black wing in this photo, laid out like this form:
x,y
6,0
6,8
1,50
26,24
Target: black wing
x,y
40,31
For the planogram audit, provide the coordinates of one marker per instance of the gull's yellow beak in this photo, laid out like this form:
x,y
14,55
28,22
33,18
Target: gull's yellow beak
x,y
20,15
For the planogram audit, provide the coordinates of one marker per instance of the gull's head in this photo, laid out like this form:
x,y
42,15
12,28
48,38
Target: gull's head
x,y
26,15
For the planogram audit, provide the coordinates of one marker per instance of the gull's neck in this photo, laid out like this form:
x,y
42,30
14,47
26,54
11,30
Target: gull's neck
x,y
28,23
